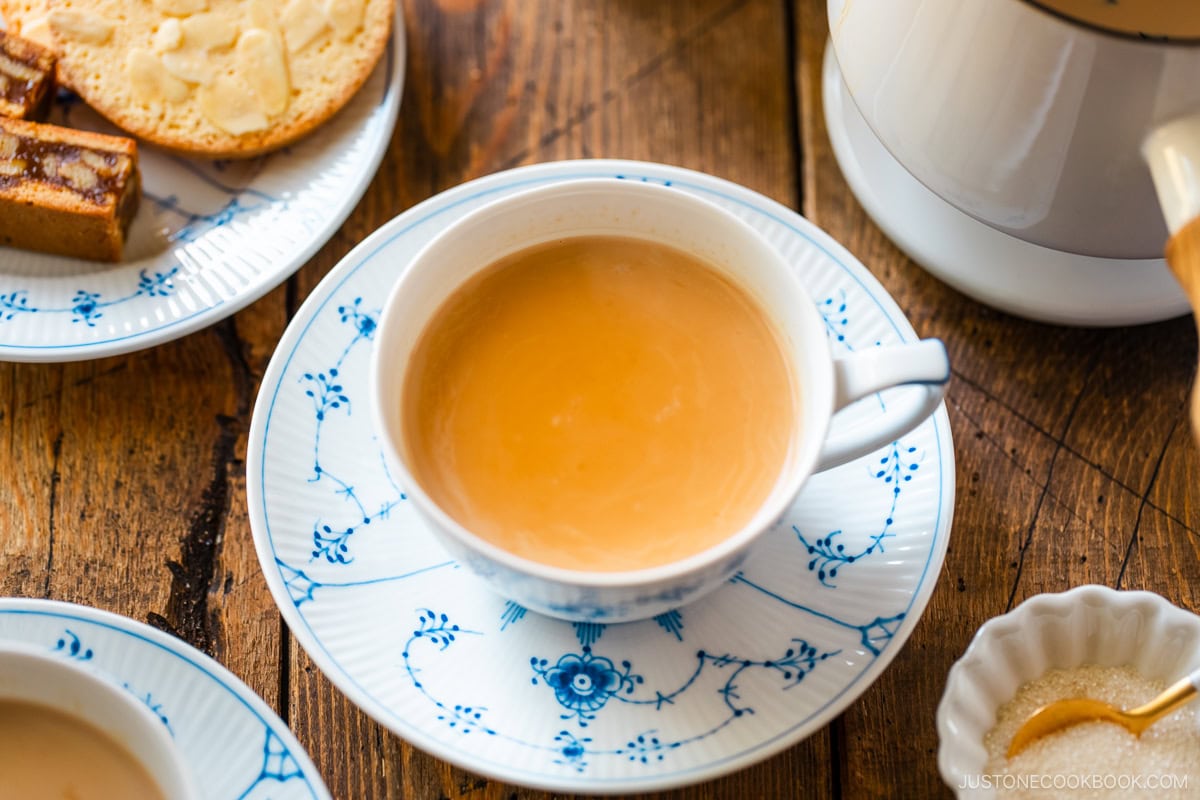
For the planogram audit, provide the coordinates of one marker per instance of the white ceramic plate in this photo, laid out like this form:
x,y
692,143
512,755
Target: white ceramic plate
x,y
424,648
235,745
210,237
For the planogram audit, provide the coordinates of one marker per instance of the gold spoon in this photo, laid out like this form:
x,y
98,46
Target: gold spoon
x,y
1065,713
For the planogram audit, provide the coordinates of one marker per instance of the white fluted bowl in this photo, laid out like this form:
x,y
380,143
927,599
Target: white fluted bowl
x,y
1086,625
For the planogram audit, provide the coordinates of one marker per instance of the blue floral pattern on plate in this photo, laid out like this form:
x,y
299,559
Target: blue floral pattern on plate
x,y
209,236
236,746
794,637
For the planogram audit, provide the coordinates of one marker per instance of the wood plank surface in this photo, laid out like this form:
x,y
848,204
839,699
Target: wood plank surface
x,y
124,478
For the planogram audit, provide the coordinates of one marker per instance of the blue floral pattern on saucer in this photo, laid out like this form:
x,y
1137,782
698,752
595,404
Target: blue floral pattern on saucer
x,y
209,236
235,745
796,635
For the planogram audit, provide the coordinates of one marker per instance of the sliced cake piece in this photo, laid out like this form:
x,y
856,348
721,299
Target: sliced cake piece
x,y
66,191
26,78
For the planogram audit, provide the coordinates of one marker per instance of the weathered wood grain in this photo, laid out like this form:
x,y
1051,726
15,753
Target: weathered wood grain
x,y
124,479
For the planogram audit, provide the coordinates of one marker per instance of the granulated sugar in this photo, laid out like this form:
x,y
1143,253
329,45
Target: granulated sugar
x,y
1095,759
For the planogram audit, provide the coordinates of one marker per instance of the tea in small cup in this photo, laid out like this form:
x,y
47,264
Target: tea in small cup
x,y
67,732
600,393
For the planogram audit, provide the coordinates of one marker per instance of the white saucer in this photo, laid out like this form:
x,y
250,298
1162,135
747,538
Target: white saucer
x,y
235,745
997,269
423,647
210,237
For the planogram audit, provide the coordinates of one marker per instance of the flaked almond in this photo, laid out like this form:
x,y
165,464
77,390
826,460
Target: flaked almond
x,y
260,62
79,175
302,21
13,166
168,36
188,65
38,30
346,16
149,81
181,8
50,165
81,26
141,70
96,162
262,14
229,104
173,90
22,72
8,145
208,32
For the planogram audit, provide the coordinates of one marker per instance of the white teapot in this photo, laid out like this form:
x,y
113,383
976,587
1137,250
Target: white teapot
x,y
1070,125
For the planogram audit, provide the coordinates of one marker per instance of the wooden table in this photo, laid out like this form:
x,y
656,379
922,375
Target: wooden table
x,y
123,479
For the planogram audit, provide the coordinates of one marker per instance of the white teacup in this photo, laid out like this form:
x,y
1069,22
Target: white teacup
x,y
613,207
33,675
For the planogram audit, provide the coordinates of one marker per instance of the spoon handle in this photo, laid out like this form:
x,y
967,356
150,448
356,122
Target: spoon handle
x,y
1176,695
1183,255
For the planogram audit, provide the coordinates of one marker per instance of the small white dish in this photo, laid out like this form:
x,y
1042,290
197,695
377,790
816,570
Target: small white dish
x,y
425,648
993,267
209,238
1086,625
232,742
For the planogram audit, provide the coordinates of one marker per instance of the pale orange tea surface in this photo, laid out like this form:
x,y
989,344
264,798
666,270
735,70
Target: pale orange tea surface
x,y
48,755
599,403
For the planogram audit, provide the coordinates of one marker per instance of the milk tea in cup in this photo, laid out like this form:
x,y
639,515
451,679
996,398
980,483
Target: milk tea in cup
x,y
66,731
47,754
600,403
600,394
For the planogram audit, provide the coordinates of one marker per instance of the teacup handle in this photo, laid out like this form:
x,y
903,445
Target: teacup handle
x,y
923,364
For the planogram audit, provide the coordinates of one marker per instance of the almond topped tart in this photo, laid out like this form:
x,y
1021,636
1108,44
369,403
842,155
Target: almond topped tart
x,y
218,78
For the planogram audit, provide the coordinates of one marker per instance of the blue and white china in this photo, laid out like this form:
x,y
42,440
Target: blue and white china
x,y
424,647
32,674
679,219
234,745
210,237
